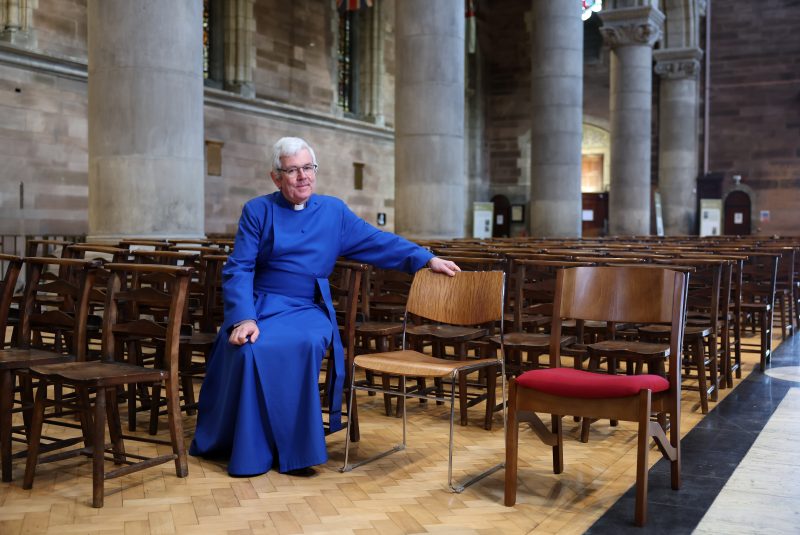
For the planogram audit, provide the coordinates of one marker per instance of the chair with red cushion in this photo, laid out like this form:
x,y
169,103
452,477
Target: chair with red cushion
x,y
619,294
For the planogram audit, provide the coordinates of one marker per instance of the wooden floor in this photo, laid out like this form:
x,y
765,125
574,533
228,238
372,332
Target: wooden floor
x,y
403,493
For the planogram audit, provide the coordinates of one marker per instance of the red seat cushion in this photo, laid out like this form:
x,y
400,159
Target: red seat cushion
x,y
568,382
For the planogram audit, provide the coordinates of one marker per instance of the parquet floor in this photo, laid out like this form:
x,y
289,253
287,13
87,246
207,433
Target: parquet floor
x,y
403,493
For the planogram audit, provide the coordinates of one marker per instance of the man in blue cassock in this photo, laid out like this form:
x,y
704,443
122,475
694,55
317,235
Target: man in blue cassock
x,y
259,405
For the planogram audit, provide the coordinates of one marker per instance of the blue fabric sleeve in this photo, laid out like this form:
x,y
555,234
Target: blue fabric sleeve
x,y
238,272
364,243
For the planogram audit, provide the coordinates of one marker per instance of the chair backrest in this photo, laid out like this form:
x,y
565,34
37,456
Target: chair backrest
x,y
468,298
630,294
7,286
128,309
57,304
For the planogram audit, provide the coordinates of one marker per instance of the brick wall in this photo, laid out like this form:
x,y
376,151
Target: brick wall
x,y
755,104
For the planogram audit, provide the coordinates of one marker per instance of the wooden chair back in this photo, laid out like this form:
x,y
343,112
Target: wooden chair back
x,y
13,267
127,308
57,304
468,298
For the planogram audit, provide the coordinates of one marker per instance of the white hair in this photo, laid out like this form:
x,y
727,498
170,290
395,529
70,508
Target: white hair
x,y
289,146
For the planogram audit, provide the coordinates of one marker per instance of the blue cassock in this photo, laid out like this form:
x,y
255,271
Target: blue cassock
x,y
259,404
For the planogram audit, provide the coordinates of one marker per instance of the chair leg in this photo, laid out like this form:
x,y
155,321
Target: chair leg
x,y
175,427
558,449
699,362
491,396
642,466
6,402
512,445
187,384
35,436
114,426
98,447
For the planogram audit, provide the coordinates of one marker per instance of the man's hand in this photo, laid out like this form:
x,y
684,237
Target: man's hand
x,y
440,265
243,331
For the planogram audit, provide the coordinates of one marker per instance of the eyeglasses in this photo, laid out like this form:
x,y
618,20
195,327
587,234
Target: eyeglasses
x,y
309,169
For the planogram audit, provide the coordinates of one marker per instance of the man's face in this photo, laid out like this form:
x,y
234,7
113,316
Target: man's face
x,y
295,184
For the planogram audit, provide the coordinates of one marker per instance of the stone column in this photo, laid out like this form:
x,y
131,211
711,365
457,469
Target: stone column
x,y
557,118
678,137
239,48
146,171
16,22
430,179
631,33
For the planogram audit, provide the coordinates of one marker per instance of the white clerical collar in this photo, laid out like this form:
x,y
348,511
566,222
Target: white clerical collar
x,y
298,207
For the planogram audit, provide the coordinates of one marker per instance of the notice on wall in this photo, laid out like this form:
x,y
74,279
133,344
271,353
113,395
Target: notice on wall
x,y
482,214
587,215
710,217
738,218
764,216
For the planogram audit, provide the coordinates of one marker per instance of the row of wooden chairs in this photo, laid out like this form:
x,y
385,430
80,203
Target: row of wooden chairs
x,y
144,304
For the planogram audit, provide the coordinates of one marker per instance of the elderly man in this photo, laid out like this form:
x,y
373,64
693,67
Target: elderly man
x,y
259,405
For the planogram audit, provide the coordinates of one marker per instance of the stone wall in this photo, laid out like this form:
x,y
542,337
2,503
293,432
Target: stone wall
x,y
43,120
755,105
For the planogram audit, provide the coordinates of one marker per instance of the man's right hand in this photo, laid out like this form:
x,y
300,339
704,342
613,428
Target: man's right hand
x,y
243,331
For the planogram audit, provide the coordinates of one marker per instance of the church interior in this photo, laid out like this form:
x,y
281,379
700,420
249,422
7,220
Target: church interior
x,y
521,136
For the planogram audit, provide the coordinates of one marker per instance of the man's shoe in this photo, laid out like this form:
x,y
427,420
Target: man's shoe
x,y
308,471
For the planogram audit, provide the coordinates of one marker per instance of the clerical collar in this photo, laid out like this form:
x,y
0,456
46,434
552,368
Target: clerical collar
x,y
298,207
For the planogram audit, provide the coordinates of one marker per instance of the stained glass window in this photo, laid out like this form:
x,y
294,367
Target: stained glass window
x,y
591,6
206,36
347,60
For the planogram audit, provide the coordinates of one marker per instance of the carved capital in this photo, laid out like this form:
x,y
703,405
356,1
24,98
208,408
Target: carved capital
x,y
632,26
678,63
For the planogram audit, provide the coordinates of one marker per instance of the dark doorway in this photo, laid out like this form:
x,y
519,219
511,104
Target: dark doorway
x,y
502,217
594,214
737,213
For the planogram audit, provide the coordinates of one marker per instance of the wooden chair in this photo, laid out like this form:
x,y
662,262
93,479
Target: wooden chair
x,y
12,265
468,298
701,333
759,280
345,287
54,306
624,294
123,326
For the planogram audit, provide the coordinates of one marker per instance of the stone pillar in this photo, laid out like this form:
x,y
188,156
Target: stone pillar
x,y
430,179
631,33
16,22
239,47
146,171
557,119
678,137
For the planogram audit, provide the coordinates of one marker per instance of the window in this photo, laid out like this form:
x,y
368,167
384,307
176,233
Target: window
x,y
348,61
213,44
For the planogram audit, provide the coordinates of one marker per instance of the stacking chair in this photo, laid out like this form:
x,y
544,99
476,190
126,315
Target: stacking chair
x,y
468,298
54,311
126,323
625,294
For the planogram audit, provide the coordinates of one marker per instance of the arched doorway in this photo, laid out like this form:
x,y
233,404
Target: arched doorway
x,y
738,207
502,217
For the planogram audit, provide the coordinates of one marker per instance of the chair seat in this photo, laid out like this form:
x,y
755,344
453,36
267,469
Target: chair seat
x,y
568,382
99,373
199,339
379,328
415,364
539,340
536,320
626,349
689,330
451,333
15,359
